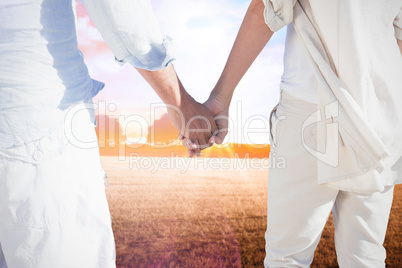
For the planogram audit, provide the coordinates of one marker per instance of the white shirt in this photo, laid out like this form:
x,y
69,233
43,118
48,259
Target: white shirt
x,y
42,72
351,48
298,77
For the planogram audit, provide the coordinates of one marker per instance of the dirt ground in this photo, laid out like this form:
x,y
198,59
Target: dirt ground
x,y
204,216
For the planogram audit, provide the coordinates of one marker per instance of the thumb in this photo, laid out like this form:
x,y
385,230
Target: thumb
x,y
220,137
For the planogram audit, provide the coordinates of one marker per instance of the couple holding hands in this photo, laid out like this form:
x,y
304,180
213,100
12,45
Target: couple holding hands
x,y
338,124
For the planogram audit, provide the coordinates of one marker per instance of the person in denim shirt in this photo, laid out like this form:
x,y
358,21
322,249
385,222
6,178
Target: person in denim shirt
x,y
53,209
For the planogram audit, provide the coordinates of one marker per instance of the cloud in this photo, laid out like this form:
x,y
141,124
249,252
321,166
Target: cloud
x,y
162,131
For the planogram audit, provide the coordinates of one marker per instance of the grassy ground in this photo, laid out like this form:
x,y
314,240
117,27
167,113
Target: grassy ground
x,y
205,217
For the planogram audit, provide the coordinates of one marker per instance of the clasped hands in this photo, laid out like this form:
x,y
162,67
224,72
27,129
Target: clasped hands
x,y
200,125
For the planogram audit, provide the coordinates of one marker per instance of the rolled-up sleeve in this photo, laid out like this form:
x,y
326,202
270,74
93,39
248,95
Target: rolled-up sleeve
x,y
130,29
278,13
398,25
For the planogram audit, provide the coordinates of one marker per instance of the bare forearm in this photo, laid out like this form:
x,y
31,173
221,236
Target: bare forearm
x,y
400,45
166,84
251,39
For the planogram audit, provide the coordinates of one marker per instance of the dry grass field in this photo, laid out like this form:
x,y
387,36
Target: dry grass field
x,y
204,217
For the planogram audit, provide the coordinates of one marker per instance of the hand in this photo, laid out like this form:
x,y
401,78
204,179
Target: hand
x,y
195,122
220,111
221,116
192,119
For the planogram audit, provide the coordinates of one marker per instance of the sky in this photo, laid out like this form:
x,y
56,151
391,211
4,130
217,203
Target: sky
x,y
203,32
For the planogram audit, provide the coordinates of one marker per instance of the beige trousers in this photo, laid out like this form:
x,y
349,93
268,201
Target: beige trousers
x,y
298,207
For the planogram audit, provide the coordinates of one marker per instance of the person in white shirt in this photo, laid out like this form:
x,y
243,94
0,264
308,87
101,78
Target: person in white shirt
x,y
53,208
338,123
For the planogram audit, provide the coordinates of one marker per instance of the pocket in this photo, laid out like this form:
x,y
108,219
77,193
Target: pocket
x,y
79,124
32,196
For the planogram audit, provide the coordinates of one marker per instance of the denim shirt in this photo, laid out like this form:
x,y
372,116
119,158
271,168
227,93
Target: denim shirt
x,y
42,72
130,29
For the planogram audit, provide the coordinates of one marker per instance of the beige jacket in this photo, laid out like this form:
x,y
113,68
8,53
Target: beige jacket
x,y
358,67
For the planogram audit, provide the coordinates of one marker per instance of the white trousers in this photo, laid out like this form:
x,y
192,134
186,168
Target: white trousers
x,y
298,207
54,212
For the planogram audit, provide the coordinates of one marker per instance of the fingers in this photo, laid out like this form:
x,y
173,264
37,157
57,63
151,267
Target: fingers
x,y
220,137
197,150
202,142
212,139
201,129
189,144
205,142
191,153
205,139
222,123
194,151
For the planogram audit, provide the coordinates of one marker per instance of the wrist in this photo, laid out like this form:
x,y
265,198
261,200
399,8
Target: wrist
x,y
224,97
185,100
223,90
179,101
176,96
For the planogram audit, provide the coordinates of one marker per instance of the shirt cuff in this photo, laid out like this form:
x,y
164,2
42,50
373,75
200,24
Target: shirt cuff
x,y
158,57
274,22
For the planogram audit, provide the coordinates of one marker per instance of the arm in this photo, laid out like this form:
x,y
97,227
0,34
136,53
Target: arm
x,y
400,45
167,85
132,32
251,39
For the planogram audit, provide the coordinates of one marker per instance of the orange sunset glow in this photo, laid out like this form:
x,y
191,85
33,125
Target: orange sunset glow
x,y
164,143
